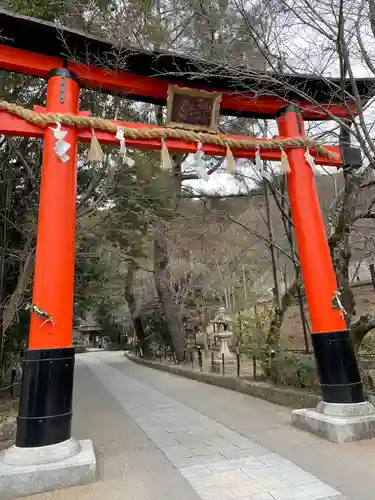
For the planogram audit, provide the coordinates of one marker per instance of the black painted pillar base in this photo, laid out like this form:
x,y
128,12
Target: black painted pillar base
x,y
337,366
45,411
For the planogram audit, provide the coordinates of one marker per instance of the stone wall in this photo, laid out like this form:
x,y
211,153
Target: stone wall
x,y
284,396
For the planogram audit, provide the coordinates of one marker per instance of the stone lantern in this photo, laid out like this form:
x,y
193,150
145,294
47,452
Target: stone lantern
x,y
222,324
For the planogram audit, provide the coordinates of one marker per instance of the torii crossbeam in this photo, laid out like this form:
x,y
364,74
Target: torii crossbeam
x,y
37,48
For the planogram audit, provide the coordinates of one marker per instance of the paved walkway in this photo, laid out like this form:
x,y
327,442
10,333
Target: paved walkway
x,y
158,436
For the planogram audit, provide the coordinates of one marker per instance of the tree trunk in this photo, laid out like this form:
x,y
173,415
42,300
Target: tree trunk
x,y
163,286
132,305
14,302
273,336
371,4
340,244
162,276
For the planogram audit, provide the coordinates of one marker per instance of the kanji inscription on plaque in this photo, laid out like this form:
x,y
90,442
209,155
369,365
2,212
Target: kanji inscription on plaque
x,y
193,109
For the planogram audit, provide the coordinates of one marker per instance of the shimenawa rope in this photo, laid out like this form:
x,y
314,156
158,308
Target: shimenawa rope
x,y
45,119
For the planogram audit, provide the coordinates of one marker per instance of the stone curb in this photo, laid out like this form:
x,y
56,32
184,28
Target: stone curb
x,y
292,398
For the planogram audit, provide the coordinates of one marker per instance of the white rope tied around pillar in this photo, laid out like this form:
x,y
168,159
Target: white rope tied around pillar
x,y
41,313
337,303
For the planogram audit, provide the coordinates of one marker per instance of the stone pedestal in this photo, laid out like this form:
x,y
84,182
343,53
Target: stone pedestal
x,y
224,347
27,471
229,358
338,422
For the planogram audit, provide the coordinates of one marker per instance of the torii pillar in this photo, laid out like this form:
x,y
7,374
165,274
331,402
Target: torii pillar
x,y
344,414
45,456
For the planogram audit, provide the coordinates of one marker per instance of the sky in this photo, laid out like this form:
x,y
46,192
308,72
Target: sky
x,y
307,51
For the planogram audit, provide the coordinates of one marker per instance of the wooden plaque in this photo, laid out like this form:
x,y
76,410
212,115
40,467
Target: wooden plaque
x,y
193,109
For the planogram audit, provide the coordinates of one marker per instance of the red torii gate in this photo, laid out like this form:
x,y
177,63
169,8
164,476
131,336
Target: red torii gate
x,y
37,48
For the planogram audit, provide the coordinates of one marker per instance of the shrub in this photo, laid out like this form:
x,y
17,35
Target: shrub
x,y
250,331
281,367
295,370
79,349
367,345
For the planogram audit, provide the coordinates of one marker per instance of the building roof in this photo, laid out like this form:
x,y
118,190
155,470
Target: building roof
x,y
46,38
90,328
